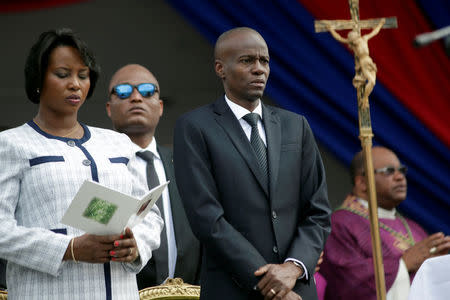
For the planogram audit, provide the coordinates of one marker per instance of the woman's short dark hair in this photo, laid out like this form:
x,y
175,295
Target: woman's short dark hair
x,y
38,58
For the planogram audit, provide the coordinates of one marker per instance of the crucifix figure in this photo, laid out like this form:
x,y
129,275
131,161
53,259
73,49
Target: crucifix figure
x,y
365,68
364,82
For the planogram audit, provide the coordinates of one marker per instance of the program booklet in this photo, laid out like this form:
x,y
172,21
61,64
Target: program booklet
x,y
97,209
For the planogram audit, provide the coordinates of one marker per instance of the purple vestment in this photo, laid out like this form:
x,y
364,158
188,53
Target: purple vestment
x,y
321,284
348,265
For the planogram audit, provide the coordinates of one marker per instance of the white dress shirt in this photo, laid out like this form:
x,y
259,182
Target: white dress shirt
x,y
159,168
240,112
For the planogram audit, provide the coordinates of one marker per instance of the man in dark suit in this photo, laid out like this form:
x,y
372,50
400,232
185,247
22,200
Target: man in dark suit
x,y
253,185
135,107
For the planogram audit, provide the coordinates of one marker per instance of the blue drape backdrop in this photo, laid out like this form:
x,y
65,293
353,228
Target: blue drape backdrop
x,y
311,74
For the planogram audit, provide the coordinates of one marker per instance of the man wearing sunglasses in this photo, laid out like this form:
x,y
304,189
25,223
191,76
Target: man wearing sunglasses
x,y
135,108
347,264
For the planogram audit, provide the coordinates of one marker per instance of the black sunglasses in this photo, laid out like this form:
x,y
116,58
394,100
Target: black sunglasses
x,y
390,170
124,90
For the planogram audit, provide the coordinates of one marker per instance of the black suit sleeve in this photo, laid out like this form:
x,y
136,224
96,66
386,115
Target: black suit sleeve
x,y
199,193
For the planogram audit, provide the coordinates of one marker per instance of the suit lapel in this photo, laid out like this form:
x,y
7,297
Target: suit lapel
x,y
272,127
227,120
180,222
175,201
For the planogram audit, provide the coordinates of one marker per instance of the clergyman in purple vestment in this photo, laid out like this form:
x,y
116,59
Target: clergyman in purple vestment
x,y
348,265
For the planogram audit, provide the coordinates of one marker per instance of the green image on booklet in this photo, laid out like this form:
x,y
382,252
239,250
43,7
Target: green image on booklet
x,y
100,210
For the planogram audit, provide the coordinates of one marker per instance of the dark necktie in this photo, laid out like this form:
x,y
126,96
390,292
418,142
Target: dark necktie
x,y
152,181
257,143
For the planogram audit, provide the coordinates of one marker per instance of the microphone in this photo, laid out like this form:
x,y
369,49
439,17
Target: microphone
x,y
426,38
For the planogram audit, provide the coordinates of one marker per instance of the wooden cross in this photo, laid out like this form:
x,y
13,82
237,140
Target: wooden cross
x,y
364,81
322,25
365,68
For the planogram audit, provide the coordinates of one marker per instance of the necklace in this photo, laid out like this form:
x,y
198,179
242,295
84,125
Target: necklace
x,y
403,241
66,135
75,128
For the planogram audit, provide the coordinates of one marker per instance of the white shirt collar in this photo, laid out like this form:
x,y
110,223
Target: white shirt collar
x,y
240,111
382,213
152,148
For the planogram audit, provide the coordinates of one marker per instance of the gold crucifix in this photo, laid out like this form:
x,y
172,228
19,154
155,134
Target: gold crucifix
x,y
365,68
364,82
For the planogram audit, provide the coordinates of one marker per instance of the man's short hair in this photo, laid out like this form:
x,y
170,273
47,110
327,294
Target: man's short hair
x,y
356,166
225,35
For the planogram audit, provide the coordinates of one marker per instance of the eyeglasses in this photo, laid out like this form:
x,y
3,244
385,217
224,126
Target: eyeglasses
x,y
388,171
124,90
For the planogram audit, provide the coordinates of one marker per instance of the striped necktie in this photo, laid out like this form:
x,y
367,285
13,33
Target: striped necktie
x,y
258,144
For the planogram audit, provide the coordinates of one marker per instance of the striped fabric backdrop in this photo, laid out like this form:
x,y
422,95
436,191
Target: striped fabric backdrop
x,y
311,74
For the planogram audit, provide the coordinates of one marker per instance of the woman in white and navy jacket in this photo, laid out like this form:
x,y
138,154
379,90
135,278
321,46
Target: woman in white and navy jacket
x,y
43,164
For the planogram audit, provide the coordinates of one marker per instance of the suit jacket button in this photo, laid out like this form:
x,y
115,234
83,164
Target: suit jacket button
x,y
275,249
86,162
274,214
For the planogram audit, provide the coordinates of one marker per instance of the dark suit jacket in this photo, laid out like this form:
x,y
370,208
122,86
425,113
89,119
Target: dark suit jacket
x,y
242,224
188,247
3,274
